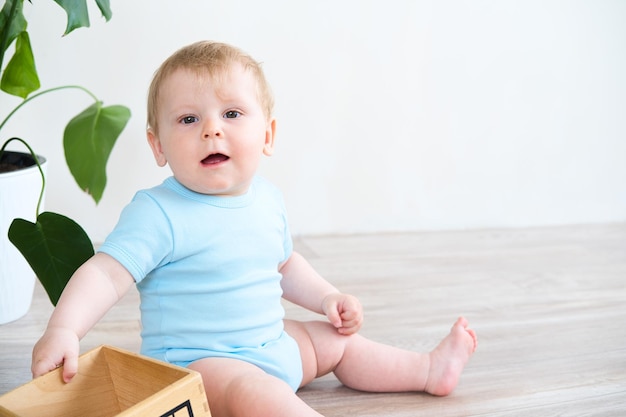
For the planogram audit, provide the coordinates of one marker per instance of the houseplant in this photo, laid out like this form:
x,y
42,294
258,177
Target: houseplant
x,y
55,245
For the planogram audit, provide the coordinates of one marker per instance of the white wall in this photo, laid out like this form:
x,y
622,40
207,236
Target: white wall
x,y
392,115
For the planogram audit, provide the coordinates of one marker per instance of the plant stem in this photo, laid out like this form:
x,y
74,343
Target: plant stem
x,y
44,92
43,177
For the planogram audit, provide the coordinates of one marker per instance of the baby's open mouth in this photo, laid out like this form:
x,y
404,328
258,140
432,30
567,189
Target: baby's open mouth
x,y
214,158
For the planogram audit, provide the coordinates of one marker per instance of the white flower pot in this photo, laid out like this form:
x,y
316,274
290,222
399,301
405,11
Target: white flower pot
x,y
19,192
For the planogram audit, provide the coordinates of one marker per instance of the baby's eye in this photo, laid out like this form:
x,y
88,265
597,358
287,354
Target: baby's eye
x,y
232,114
188,120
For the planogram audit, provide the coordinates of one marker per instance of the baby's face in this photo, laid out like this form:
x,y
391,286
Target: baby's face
x,y
212,134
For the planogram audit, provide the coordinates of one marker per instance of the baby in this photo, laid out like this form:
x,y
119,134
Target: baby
x,y
211,254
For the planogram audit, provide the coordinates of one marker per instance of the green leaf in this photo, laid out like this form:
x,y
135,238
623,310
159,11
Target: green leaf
x,y
20,76
88,141
105,8
54,247
77,14
18,23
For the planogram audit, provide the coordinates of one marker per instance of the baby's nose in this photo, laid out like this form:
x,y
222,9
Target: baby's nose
x,y
212,129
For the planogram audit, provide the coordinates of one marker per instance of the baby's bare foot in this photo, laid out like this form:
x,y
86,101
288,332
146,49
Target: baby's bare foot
x,y
449,358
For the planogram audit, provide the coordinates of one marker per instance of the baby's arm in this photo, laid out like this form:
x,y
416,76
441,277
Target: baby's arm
x,y
303,286
93,289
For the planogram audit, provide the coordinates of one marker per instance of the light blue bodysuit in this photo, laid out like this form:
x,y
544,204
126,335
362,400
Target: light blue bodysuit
x,y
207,271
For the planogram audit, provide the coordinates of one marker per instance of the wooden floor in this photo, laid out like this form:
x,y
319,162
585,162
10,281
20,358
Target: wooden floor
x,y
548,304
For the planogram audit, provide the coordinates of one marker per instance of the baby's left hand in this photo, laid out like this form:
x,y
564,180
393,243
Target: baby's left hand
x,y
344,312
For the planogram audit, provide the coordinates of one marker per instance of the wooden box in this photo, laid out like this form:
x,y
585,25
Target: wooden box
x,y
111,382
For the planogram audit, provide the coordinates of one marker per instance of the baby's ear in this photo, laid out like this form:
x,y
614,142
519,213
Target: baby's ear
x,y
157,148
270,135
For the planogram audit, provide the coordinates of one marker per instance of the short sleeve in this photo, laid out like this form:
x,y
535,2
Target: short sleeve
x,y
142,239
287,239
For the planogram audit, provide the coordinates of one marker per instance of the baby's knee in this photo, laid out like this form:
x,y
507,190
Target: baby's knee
x,y
245,394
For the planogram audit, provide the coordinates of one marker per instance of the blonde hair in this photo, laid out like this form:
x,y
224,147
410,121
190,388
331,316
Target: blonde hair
x,y
214,59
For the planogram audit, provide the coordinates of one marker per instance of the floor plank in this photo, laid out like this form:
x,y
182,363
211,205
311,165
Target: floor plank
x,y
548,305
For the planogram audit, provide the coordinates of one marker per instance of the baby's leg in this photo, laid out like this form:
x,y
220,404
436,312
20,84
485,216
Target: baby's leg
x,y
237,388
366,365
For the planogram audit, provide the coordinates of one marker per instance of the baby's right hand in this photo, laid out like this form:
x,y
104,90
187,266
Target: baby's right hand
x,y
58,346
